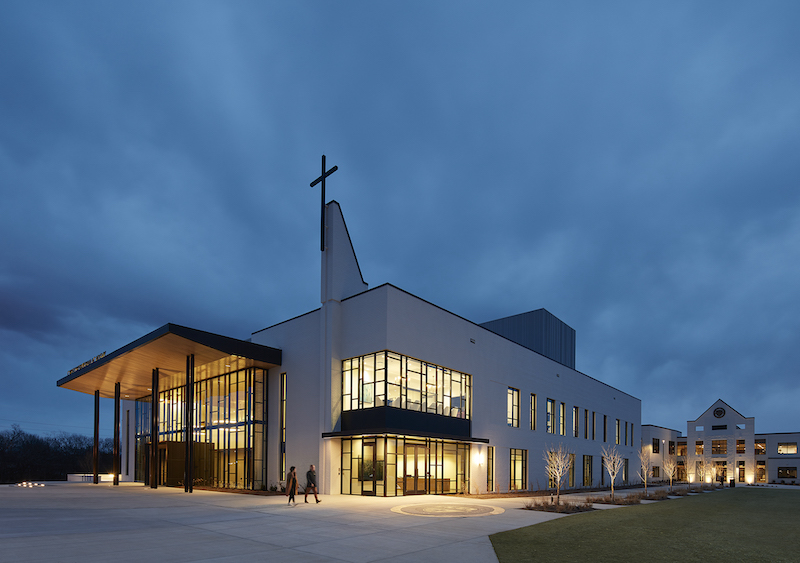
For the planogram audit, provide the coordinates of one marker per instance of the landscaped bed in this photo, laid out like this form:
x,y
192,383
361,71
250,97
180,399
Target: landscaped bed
x,y
562,507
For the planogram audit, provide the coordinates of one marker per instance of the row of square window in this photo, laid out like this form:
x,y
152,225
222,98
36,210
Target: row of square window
x,y
552,418
721,447
518,475
761,472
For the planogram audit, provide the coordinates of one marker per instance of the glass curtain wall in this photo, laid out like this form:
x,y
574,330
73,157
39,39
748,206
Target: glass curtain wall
x,y
229,432
403,465
389,379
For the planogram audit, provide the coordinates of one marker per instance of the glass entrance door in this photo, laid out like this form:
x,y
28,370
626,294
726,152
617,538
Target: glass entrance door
x,y
416,470
368,473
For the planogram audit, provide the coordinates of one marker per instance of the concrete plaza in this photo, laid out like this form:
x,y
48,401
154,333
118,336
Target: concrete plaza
x,y
85,522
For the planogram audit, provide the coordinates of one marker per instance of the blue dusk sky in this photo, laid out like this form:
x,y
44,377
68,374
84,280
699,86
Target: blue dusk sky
x,y
632,167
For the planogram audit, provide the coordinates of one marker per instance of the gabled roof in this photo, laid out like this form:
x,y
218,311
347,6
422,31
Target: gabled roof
x,y
716,404
166,348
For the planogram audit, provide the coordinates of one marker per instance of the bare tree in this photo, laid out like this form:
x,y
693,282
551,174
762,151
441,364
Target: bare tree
x,y
645,467
687,467
704,469
700,471
613,462
670,467
557,461
712,470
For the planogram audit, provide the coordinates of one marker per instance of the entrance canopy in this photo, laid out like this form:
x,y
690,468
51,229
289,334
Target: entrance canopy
x,y
167,348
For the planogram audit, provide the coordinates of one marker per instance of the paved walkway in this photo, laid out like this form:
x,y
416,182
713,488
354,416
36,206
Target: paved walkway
x,y
82,522
86,522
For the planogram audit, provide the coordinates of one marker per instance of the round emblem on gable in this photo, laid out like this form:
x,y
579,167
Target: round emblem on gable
x,y
719,412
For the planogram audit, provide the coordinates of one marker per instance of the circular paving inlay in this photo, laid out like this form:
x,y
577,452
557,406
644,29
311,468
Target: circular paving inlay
x,y
447,510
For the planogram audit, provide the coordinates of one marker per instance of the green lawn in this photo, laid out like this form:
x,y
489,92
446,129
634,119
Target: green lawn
x,y
741,524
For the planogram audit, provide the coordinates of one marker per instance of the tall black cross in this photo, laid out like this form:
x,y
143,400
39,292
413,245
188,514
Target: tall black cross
x,y
314,183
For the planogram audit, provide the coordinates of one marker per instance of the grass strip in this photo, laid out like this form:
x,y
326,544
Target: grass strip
x,y
741,524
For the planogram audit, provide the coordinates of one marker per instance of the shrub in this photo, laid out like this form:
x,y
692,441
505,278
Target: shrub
x,y
564,507
634,498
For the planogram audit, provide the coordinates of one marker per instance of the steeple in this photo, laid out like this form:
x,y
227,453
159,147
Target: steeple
x,y
341,275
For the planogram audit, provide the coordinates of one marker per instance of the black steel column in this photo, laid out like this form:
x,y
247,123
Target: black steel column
x,y
154,432
116,433
188,473
96,447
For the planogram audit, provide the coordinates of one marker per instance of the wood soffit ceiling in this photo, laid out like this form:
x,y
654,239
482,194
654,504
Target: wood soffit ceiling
x,y
167,348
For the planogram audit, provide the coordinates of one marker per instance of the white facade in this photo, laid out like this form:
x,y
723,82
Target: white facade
x,y
722,445
779,457
724,440
353,322
658,443
384,392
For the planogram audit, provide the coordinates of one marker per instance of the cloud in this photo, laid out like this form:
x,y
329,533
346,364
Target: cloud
x,y
630,168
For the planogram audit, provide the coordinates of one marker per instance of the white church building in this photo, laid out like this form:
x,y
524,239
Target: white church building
x,y
722,445
385,392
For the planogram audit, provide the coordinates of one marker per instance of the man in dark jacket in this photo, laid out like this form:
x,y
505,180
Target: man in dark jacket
x,y
311,482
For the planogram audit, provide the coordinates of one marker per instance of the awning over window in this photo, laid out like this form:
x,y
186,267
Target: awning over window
x,y
166,348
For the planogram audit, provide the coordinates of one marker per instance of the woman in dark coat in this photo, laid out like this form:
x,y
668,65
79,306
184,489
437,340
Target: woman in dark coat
x,y
291,485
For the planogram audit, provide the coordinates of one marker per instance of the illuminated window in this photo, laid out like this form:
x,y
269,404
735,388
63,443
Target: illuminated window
x,y
585,424
787,473
656,472
282,458
571,478
761,471
671,450
576,413
719,447
698,448
550,423
490,468
617,433
519,470
389,379
602,473
741,472
761,447
720,471
512,408
587,471
533,411
228,419
682,448
740,449
562,419
787,448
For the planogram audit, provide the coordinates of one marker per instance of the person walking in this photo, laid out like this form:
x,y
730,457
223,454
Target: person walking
x,y
291,485
311,482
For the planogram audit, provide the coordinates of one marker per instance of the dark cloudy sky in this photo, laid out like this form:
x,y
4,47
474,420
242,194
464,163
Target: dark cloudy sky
x,y
630,166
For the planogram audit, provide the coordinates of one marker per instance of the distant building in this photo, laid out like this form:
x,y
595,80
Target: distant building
x,y
386,393
722,445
